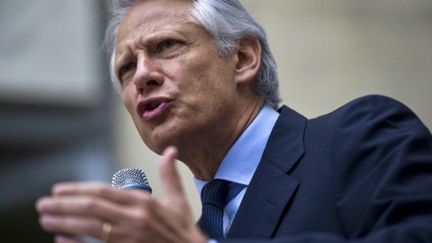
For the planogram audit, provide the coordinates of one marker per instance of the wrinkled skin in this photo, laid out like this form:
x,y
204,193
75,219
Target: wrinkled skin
x,y
203,102
81,208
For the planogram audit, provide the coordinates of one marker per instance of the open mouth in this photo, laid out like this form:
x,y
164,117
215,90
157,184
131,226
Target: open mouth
x,y
151,109
153,105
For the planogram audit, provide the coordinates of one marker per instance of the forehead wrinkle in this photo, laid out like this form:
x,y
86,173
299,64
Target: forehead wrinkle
x,y
133,25
139,42
154,16
161,23
133,33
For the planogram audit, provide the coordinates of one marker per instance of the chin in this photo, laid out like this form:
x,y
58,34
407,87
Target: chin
x,y
158,141
173,132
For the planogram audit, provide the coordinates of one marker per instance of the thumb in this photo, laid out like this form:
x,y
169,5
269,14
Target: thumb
x,y
171,182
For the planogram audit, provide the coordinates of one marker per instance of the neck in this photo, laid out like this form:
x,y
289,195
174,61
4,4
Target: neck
x,y
204,156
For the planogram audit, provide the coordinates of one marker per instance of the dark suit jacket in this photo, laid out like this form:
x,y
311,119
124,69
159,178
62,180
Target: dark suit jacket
x,y
361,172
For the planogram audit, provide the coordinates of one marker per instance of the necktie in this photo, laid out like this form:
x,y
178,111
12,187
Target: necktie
x,y
213,197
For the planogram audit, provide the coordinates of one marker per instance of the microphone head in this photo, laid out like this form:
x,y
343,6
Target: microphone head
x,y
131,178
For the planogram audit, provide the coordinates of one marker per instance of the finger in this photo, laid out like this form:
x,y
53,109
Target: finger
x,y
171,181
71,225
125,197
65,239
72,187
81,205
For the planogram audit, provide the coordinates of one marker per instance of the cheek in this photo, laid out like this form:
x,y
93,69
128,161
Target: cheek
x,y
127,101
203,76
130,103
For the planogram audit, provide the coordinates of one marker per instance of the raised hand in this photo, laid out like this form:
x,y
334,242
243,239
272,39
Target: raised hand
x,y
120,216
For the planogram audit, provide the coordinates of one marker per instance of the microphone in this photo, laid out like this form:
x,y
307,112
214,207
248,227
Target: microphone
x,y
131,178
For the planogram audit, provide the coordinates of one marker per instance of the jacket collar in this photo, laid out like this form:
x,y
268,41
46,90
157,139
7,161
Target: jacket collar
x,y
272,187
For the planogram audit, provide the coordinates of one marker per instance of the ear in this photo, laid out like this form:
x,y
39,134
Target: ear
x,y
248,60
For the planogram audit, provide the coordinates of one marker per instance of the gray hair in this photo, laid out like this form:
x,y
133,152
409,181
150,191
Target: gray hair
x,y
227,22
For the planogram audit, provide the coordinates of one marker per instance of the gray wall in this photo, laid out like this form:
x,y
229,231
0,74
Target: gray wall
x,y
54,106
332,51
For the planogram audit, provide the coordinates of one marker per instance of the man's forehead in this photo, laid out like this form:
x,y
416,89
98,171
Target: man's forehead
x,y
153,15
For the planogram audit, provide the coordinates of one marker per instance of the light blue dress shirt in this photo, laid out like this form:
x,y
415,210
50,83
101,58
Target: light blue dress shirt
x,y
241,161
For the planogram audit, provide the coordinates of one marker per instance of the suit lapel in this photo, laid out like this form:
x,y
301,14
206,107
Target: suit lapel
x,y
271,187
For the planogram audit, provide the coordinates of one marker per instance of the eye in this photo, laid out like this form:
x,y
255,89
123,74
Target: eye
x,y
166,44
125,69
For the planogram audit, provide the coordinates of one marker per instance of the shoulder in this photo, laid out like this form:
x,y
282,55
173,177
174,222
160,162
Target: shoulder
x,y
370,105
379,146
373,134
369,132
372,112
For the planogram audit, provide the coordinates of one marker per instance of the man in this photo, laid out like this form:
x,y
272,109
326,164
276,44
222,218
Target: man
x,y
200,84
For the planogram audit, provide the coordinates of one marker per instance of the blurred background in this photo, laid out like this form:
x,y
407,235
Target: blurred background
x,y
61,121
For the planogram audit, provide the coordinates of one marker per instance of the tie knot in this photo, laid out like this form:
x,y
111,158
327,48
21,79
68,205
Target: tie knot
x,y
215,193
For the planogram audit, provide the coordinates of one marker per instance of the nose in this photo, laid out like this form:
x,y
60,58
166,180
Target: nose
x,y
147,75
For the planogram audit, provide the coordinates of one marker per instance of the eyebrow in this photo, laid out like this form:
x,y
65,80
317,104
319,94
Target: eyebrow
x,y
119,59
154,36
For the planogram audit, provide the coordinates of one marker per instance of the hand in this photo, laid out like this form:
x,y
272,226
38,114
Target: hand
x,y
76,209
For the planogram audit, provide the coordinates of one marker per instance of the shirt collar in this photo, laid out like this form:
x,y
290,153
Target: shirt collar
x,y
241,161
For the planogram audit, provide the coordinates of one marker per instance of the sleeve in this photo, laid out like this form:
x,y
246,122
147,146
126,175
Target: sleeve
x,y
383,176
